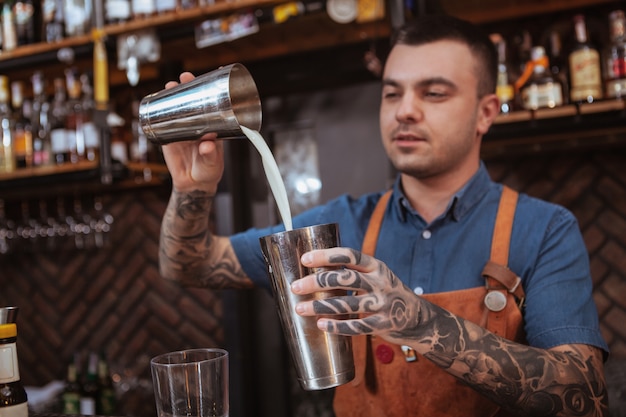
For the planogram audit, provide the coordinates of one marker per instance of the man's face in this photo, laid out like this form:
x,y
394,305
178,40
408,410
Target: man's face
x,y
431,118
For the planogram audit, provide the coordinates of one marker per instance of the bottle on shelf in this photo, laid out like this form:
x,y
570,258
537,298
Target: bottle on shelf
x,y
584,66
558,63
541,90
7,160
78,15
9,29
615,56
117,11
142,9
52,21
107,399
89,389
166,6
22,133
71,393
90,131
58,132
13,398
504,87
75,118
40,122
24,11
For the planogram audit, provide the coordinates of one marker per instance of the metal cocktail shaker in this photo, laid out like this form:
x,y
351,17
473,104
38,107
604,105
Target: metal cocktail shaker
x,y
220,101
322,360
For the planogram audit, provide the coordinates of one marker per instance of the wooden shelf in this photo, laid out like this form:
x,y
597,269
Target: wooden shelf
x,y
163,20
583,126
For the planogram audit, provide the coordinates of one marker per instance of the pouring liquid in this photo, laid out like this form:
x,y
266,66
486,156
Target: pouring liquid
x,y
275,180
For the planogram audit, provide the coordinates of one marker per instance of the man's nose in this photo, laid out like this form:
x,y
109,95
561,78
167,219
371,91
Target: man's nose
x,y
409,109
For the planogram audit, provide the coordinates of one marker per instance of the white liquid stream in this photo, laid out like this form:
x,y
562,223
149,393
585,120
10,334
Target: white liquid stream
x,y
275,180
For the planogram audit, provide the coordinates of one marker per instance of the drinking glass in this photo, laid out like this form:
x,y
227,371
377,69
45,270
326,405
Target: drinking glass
x,y
191,383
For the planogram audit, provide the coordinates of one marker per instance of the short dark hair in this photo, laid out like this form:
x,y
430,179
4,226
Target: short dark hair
x,y
436,27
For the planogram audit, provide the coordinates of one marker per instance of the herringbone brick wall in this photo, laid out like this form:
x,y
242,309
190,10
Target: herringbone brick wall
x,y
113,298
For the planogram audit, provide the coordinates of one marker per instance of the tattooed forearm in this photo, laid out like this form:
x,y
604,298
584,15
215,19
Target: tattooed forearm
x,y
565,381
189,253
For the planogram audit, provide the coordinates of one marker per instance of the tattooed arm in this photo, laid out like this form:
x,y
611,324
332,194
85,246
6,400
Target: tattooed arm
x,y
188,252
567,380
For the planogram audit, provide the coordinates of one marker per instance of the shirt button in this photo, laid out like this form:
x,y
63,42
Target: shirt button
x,y
426,234
418,290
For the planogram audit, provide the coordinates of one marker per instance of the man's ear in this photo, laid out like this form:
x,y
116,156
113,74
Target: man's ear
x,y
488,110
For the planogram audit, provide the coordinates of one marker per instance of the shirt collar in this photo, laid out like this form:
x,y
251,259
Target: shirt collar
x,y
460,203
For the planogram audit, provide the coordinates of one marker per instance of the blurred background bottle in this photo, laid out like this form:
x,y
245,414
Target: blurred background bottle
x,y
52,21
9,30
615,56
71,394
542,89
25,15
13,399
22,133
107,400
40,122
584,66
89,390
558,63
504,86
58,132
7,161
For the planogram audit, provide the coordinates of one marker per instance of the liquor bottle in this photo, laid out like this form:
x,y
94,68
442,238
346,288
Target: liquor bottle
x,y
615,57
107,401
504,87
90,131
584,66
77,17
71,393
7,161
143,8
117,11
75,118
541,90
9,30
558,63
166,6
40,122
58,132
24,11
52,21
89,389
13,398
22,130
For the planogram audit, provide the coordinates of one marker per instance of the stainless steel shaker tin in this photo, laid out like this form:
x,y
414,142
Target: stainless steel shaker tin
x,y
322,360
220,101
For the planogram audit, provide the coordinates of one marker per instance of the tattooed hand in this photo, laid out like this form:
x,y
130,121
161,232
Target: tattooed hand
x,y
387,307
565,380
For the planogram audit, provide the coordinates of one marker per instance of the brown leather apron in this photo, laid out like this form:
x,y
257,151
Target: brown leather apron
x,y
387,385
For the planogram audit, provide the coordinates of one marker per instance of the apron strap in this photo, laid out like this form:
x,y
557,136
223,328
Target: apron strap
x,y
500,280
376,221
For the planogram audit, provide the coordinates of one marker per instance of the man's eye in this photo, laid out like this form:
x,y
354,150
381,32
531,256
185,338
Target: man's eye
x,y
390,94
435,94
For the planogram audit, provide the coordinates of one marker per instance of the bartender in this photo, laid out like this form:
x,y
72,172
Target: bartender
x,y
472,299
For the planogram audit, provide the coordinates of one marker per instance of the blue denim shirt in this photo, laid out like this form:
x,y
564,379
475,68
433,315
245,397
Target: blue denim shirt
x,y
547,251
